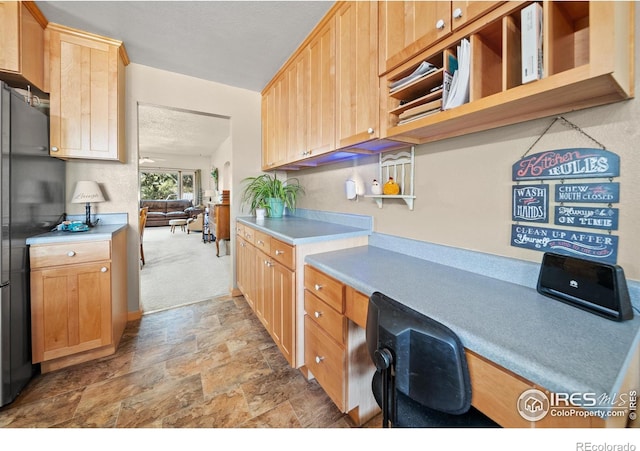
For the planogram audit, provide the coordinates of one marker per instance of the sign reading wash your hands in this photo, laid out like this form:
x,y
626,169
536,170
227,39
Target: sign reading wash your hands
x,y
530,203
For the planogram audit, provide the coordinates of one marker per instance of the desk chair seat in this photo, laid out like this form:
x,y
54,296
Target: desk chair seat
x,y
422,377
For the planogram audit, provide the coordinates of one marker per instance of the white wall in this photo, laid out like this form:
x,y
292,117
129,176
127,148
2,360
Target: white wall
x,y
120,181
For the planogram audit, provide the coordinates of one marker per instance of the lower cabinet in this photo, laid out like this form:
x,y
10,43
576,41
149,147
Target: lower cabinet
x,y
335,346
266,277
78,306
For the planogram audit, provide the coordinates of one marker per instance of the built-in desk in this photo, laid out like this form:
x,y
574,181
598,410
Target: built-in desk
x,y
515,338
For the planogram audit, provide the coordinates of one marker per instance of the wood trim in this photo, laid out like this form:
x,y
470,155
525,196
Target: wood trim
x,y
36,13
134,316
84,35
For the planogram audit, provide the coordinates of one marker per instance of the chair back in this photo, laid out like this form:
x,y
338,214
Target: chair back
x,y
143,220
422,377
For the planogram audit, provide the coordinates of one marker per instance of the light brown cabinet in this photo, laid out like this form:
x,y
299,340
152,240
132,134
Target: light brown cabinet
x,y
86,81
586,63
266,277
22,44
357,99
335,346
78,300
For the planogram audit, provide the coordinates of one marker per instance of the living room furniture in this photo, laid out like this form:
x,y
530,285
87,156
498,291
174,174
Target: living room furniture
x,y
177,222
163,211
219,224
195,224
142,224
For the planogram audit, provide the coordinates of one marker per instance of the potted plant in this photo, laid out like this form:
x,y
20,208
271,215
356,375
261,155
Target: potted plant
x,y
267,191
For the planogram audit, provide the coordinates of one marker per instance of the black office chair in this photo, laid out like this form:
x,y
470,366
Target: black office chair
x,y
422,378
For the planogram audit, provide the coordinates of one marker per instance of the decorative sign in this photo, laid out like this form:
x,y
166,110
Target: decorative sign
x,y
594,193
567,164
595,246
530,203
594,218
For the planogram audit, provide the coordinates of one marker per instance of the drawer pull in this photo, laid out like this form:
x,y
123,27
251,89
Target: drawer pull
x,y
103,269
319,359
260,242
71,254
317,287
317,314
440,24
457,13
279,252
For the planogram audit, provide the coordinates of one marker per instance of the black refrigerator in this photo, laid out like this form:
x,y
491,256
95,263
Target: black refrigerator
x,y
32,201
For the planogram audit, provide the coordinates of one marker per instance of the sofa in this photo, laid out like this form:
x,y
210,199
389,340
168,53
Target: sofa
x,y
163,211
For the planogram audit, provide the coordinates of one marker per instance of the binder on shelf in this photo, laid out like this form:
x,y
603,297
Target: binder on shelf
x,y
458,92
531,39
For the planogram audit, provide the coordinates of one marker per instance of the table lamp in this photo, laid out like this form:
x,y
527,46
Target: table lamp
x,y
209,193
87,192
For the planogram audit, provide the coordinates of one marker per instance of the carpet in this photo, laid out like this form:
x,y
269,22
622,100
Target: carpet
x,y
180,269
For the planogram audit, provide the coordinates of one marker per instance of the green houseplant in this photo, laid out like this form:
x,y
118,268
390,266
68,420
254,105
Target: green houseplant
x,y
268,192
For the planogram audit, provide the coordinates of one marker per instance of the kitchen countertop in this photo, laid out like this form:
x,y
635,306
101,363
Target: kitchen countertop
x,y
100,232
557,346
295,230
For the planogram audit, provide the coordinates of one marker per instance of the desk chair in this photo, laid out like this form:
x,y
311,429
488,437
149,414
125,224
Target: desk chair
x,y
422,378
142,224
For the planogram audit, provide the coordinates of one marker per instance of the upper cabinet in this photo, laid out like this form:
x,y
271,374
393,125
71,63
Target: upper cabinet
x,y
22,44
586,59
358,109
86,82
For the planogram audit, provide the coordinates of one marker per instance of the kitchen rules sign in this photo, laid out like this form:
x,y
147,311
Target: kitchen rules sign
x,y
530,203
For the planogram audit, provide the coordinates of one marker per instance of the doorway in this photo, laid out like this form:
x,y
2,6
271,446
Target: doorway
x,y
177,149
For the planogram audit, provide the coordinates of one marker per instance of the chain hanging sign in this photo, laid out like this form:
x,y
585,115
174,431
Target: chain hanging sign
x,y
530,203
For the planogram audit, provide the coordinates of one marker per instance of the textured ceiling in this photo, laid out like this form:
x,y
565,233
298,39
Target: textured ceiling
x,y
237,43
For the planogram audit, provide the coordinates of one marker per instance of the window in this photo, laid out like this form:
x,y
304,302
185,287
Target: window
x,y
167,184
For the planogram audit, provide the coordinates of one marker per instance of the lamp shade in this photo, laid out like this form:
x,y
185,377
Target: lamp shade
x,y
209,193
87,191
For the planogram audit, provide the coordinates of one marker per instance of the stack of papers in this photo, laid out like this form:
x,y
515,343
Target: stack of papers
x,y
456,88
424,69
420,111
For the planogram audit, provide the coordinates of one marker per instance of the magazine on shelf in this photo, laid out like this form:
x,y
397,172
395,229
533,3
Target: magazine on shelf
x,y
429,106
459,90
424,69
419,116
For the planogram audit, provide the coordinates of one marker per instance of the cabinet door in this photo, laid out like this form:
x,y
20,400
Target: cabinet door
x,y
241,268
298,106
283,323
84,97
408,27
10,36
70,310
464,11
276,127
322,104
357,73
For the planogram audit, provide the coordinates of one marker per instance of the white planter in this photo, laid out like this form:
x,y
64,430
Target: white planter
x,y
260,213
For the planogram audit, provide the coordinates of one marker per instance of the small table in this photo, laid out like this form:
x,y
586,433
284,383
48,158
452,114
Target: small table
x,y
177,222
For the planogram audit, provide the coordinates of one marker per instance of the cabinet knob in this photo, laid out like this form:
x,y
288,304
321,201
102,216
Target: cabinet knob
x,y
279,252
260,242
317,287
268,263
370,130
317,314
54,149
241,243
103,269
71,254
440,24
457,13
319,359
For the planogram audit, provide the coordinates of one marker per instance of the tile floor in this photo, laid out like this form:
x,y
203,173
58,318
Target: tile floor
x,y
206,365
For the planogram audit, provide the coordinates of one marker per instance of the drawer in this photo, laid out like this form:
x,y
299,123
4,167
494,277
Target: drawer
x,y
332,322
47,255
262,241
326,288
326,360
356,307
249,235
283,253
